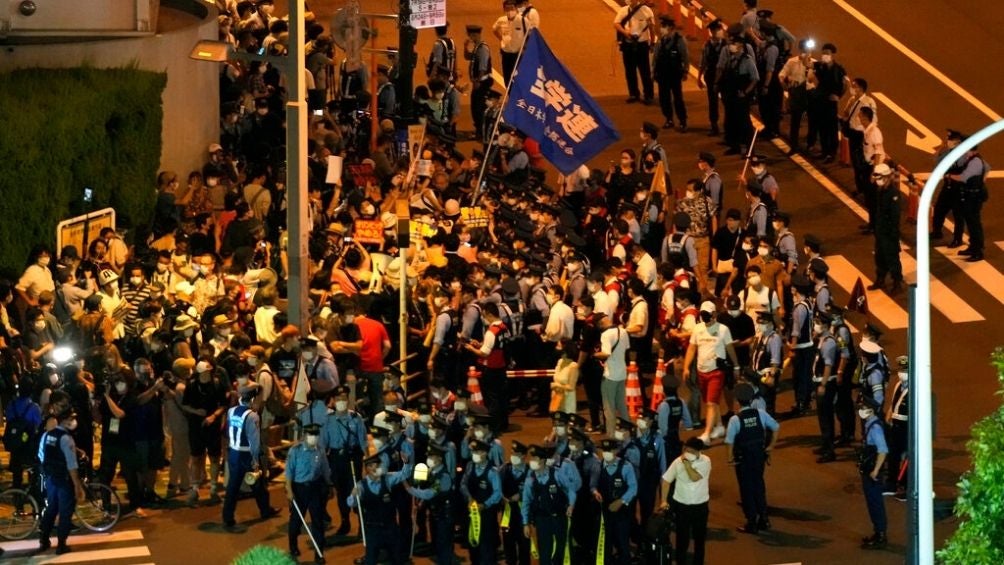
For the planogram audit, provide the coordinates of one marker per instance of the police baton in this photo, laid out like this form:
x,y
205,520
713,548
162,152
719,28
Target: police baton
x,y
310,534
359,503
749,155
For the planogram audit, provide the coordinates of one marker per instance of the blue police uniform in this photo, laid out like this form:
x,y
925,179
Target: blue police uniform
x,y
873,383
308,472
243,455
652,465
672,412
766,357
617,482
874,444
58,456
801,325
344,438
481,484
827,355
585,515
438,496
845,386
547,495
515,546
398,449
379,515
747,434
495,451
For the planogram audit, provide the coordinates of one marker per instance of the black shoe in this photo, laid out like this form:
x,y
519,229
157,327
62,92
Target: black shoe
x,y
967,251
978,256
683,128
62,549
272,512
843,442
631,100
231,527
748,528
877,541
294,553
827,457
44,544
795,411
668,124
900,494
954,243
763,524
819,451
875,286
888,490
319,559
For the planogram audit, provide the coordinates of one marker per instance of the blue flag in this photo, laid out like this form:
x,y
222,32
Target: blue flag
x,y
551,107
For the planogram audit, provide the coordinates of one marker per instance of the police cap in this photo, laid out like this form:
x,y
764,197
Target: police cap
x,y
374,460
610,445
539,451
482,420
872,329
342,390
436,449
765,317
577,420
867,402
955,135
626,425
648,413
870,347
818,266
478,446
813,242
579,435
758,160
510,286
379,431
518,447
312,429
824,317
783,217
764,13
559,417
439,423
471,28
667,21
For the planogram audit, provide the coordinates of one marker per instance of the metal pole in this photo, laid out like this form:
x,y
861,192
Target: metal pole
x,y
360,485
912,443
922,348
407,36
403,241
296,169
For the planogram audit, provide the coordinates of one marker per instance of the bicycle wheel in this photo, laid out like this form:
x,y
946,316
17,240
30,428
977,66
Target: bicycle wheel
x,y
100,510
19,514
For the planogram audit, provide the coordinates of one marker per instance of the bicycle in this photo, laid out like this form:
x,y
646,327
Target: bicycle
x,y
20,511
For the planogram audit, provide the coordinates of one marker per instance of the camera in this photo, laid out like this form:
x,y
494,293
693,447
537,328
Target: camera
x,y
318,112
88,194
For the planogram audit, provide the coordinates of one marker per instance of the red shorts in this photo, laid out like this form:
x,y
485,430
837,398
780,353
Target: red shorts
x,y
711,385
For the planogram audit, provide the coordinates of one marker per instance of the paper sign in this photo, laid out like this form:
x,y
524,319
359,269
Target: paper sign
x,y
428,13
422,229
416,133
368,231
474,216
71,231
423,168
334,170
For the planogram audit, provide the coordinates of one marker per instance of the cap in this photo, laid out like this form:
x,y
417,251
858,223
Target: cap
x,y
834,310
667,21
758,160
342,389
492,95
436,449
873,330
312,429
107,276
650,128
439,423
510,286
764,13
518,447
577,420
214,147
954,135
867,402
744,393
374,460
579,435
559,417
539,451
623,424
708,306
706,157
308,342
379,431
818,266
473,28
648,413
184,322
870,347
610,445
222,320
482,420
392,417
203,367
478,445
764,316
782,216
824,317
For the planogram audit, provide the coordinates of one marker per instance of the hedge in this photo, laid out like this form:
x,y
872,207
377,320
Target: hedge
x,y
66,129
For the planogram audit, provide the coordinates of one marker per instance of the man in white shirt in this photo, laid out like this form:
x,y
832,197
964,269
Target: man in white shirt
x,y
635,25
873,148
645,267
710,343
561,320
613,354
601,302
691,473
511,30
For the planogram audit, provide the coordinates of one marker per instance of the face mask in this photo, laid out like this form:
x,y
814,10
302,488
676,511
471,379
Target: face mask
x,y
690,457
515,459
135,281
705,317
252,361
863,413
747,247
39,325
881,181
349,318
608,456
479,434
477,458
378,472
619,435
242,381
560,431
550,462
734,313
754,280
762,251
390,407
903,375
341,405
460,406
53,380
826,58
161,268
311,440
308,355
642,425
763,328
377,443
120,387
72,424
430,462
534,465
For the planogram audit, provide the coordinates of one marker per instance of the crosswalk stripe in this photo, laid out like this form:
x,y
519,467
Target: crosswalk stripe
x,y
943,299
95,556
86,539
880,305
981,272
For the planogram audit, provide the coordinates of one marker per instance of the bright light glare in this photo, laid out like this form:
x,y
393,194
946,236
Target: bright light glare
x,y
62,355
810,44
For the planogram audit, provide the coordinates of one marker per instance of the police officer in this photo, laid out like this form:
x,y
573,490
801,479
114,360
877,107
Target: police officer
x,y
817,272
624,433
766,359
886,231
670,67
558,438
846,367
344,438
672,412
748,448
874,373
824,376
58,456
897,417
972,195
437,495
652,464
737,80
418,432
480,73
378,512
244,455
948,197
548,502
393,454
800,343
870,461
615,490
482,490
708,72
769,63
513,475
307,476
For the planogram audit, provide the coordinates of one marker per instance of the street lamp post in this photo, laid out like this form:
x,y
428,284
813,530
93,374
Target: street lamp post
x,y
296,170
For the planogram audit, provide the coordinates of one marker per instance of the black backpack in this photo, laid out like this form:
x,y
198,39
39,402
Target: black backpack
x,y
18,435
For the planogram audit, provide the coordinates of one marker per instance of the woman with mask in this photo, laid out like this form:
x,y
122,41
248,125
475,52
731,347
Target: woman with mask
x,y
37,277
622,178
691,473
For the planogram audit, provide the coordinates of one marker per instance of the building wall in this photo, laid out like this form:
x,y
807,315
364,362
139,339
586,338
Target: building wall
x,y
191,98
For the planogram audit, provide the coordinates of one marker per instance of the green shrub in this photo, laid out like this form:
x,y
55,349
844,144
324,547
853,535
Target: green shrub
x,y
979,540
264,555
64,129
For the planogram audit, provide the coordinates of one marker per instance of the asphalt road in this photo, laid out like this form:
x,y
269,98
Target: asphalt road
x,y
817,510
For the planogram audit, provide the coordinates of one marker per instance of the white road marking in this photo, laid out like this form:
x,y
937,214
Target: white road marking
x,y
86,539
880,305
913,56
943,298
95,556
927,141
982,273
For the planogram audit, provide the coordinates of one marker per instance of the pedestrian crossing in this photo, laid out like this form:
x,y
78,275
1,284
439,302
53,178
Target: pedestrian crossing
x,y
125,548
844,274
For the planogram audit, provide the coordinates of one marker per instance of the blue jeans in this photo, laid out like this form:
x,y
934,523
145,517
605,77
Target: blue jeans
x,y
59,500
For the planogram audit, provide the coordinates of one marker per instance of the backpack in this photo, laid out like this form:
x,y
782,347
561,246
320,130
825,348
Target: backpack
x,y
18,436
450,51
779,254
275,403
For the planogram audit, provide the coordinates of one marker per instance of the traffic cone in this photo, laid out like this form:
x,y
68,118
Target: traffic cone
x,y
632,393
844,151
473,386
658,393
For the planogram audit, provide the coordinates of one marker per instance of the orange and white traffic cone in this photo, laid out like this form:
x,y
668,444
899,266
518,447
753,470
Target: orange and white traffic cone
x,y
658,393
844,151
474,386
632,393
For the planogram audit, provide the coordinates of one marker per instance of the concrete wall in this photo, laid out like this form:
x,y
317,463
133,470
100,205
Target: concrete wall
x,y
191,98
82,15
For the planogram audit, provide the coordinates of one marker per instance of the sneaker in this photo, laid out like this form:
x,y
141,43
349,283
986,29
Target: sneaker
x,y
889,490
705,438
717,432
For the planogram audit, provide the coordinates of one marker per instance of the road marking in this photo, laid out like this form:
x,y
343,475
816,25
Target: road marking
x,y
96,556
913,56
990,175
87,539
982,273
927,141
951,305
880,304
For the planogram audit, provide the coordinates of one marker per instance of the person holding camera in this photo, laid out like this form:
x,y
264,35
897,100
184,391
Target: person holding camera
x,y
748,446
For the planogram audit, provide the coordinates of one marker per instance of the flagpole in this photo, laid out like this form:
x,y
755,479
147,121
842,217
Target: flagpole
x,y
498,118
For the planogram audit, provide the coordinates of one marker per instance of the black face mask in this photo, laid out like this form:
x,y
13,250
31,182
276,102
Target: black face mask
x,y
705,317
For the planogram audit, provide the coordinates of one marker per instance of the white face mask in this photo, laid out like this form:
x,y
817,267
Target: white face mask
x,y
44,261
477,458
642,425
560,431
424,418
349,318
311,440
430,462
864,413
734,313
762,251
53,379
690,457
758,170
903,375
252,361
135,281
72,424
515,459
747,247
242,381
608,456
120,387
39,325
534,465
619,435
341,405
550,462
308,355
479,434
378,472
460,406
754,280
377,443
763,328
390,407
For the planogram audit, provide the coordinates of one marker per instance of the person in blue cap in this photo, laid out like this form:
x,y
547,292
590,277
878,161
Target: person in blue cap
x,y
307,478
548,501
615,490
871,459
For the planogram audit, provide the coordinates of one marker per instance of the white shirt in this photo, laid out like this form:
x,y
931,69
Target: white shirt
x,y
647,271
854,119
873,142
264,326
641,21
560,322
614,341
753,301
601,303
710,346
688,491
638,316
514,31
35,280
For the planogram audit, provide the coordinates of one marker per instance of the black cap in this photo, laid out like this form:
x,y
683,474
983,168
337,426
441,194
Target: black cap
x,y
873,330
783,217
577,420
707,157
341,389
732,302
681,220
308,342
650,128
623,424
764,13
818,266
482,420
812,240
610,445
510,286
867,402
379,431
463,393
648,413
765,316
478,445
435,449
471,28
312,429
518,447
955,135
540,451
667,21
824,317
373,460
578,434
559,417
758,160
439,423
